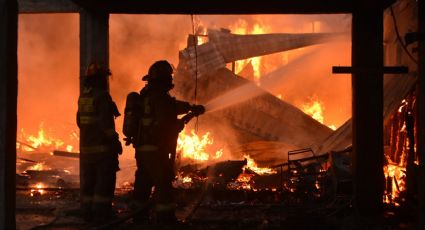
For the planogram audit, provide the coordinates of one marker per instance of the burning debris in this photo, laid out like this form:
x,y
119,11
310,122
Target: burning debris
x,y
40,169
258,125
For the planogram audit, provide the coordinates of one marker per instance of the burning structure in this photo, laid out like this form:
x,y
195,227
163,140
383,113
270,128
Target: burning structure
x,y
263,126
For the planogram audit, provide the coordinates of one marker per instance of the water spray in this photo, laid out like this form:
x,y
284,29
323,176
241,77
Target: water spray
x,y
251,90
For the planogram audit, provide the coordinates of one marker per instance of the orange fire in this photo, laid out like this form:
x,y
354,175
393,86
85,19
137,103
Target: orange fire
x,y
195,147
38,189
395,172
244,180
241,27
42,140
254,167
39,167
315,108
396,175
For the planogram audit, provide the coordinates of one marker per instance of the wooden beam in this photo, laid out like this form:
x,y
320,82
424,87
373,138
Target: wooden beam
x,y
368,154
47,6
192,6
8,112
94,39
220,6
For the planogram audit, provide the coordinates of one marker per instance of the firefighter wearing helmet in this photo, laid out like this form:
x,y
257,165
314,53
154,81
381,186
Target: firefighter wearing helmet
x,y
99,144
152,126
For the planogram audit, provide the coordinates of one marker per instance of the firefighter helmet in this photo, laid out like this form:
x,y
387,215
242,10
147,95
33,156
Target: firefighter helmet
x,y
159,71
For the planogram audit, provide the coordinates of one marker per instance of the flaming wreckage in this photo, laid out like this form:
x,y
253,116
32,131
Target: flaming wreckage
x,y
302,160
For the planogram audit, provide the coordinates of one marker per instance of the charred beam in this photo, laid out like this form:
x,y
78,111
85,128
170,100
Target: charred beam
x,y
385,70
191,6
8,116
220,7
47,6
66,154
367,53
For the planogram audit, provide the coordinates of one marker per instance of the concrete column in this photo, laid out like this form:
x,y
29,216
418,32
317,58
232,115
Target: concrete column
x,y
94,39
367,86
8,117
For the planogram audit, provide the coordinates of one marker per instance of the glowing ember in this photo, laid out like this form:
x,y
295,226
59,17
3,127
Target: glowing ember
x,y
187,179
396,158
253,167
244,177
39,167
38,189
395,175
194,147
243,182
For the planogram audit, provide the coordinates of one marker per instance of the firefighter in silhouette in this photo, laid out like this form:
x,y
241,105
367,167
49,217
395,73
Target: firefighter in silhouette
x,y
99,144
152,126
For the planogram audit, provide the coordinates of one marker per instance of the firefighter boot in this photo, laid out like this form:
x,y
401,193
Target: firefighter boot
x,y
166,217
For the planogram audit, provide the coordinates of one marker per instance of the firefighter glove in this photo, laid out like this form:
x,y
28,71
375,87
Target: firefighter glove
x,y
128,141
198,109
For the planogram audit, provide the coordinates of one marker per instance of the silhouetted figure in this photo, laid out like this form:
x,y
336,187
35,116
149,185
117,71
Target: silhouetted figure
x,y
99,145
151,124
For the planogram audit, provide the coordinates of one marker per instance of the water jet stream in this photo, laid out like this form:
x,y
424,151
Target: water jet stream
x,y
251,90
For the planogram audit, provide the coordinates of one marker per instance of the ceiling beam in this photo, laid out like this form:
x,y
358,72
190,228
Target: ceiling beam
x,y
193,6
189,6
220,6
47,6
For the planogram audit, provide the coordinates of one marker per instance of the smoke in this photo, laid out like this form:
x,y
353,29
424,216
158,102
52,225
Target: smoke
x,y
48,57
48,52
250,90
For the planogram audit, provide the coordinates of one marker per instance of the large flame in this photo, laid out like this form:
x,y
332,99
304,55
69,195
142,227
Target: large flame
x,y
192,146
241,27
254,167
315,108
395,172
395,175
42,140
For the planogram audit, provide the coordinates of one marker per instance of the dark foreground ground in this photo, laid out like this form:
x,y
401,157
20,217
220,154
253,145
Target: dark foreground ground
x,y
197,209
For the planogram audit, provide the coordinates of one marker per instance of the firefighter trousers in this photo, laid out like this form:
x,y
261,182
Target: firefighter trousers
x,y
97,184
155,169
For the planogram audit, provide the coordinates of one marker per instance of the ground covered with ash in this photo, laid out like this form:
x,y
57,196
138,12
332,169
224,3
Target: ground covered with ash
x,y
209,209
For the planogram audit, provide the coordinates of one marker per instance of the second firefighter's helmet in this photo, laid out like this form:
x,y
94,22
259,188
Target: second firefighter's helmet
x,y
160,73
159,70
